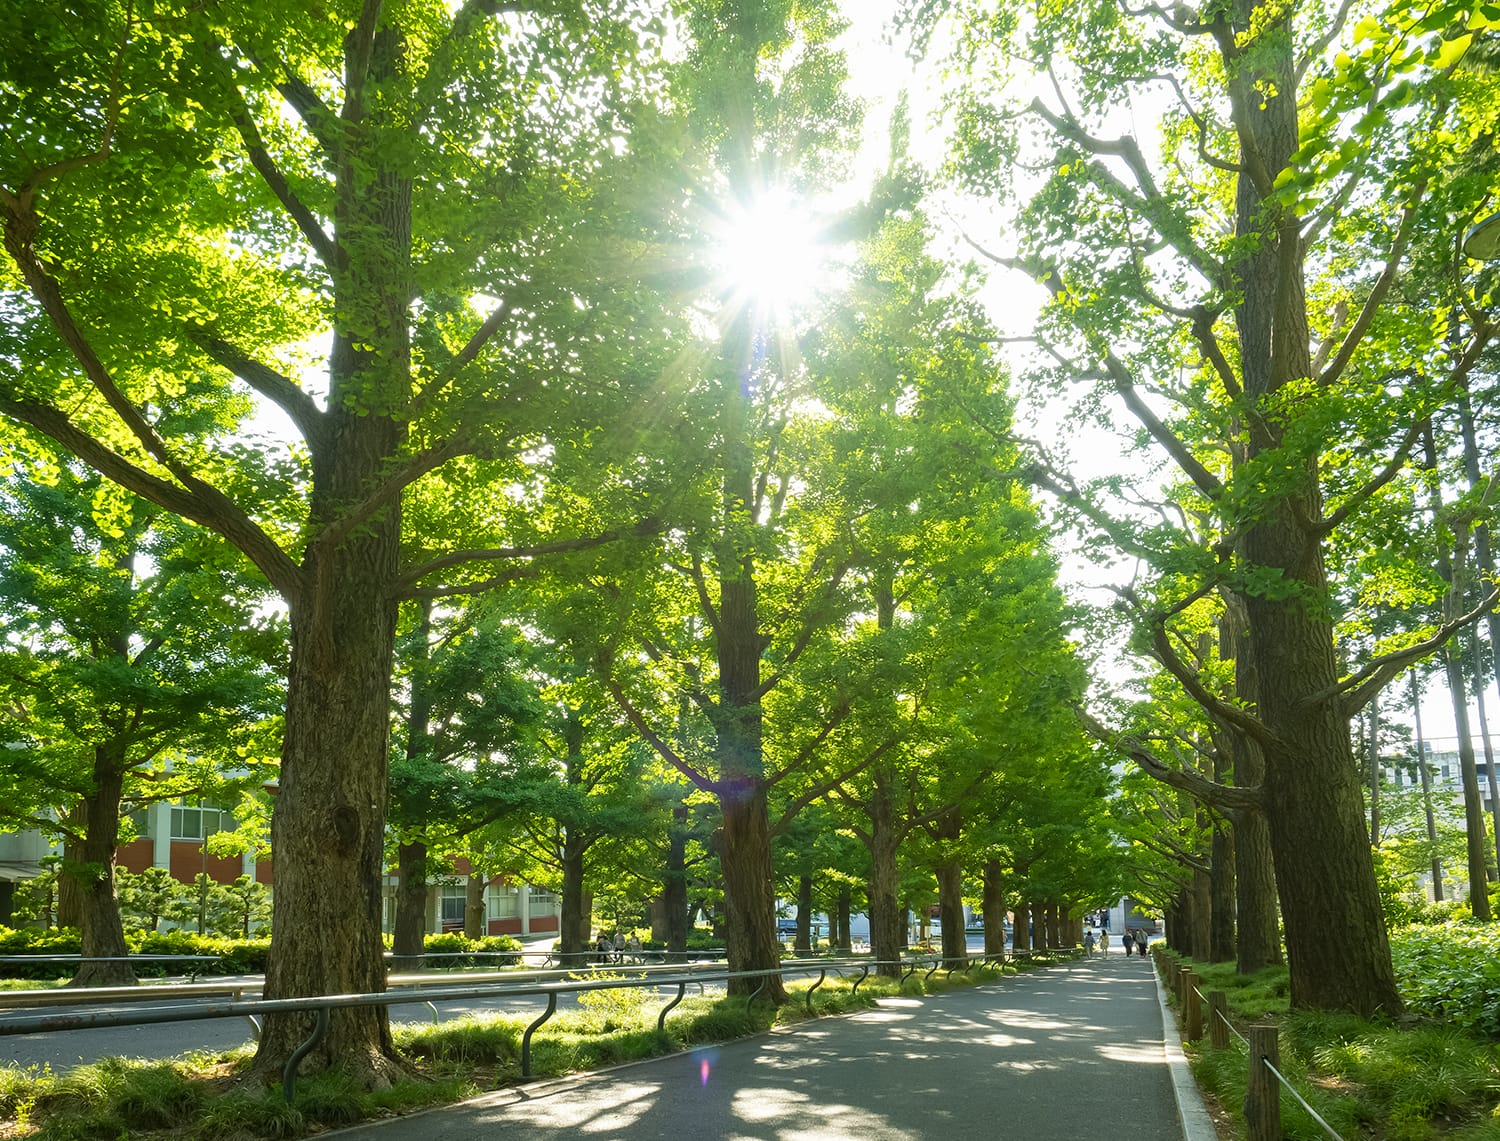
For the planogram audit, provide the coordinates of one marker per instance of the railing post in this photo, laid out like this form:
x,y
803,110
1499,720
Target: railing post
x,y
530,1030
1263,1098
1218,1020
1194,1009
1182,986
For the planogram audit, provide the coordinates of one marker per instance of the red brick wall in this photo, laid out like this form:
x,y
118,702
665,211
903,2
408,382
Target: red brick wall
x,y
187,861
135,856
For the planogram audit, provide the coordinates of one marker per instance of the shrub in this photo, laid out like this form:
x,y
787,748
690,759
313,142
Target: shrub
x,y
1451,972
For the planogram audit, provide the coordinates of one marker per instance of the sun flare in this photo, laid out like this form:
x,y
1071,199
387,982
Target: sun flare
x,y
771,255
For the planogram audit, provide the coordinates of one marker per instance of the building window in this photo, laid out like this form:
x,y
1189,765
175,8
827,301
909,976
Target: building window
x,y
453,904
543,902
504,903
199,823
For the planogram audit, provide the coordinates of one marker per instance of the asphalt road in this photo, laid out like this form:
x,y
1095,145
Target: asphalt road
x,y
1067,1052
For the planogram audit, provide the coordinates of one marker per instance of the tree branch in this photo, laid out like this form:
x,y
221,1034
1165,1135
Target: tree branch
x,y
1194,784
1383,283
654,739
1360,688
498,554
1361,495
202,504
260,158
282,391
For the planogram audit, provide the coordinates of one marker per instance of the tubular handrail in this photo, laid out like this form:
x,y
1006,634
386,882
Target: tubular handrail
x,y
678,974
320,1005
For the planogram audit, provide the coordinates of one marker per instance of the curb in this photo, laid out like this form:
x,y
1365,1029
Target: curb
x,y
1197,1125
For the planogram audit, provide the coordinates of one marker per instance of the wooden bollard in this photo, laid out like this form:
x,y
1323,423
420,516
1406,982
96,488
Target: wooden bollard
x,y
1263,1098
1182,986
1194,1009
1218,1020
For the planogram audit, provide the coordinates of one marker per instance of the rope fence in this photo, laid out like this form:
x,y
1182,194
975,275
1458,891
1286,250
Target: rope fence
x,y
1263,1095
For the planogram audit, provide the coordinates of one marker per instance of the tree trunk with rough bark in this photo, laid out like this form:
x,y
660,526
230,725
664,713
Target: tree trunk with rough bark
x,y
950,880
675,885
475,926
328,826
1021,931
887,919
409,933
1221,894
1337,955
994,909
1257,918
803,941
576,921
843,906
101,930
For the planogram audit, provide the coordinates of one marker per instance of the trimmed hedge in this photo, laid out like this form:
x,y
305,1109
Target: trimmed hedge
x,y
237,956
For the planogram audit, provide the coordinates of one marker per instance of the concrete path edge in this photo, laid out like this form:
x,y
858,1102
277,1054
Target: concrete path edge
x,y
1193,1114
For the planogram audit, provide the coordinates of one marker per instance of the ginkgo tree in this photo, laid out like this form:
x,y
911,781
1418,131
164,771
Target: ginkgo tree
x,y
134,670
1228,284
412,230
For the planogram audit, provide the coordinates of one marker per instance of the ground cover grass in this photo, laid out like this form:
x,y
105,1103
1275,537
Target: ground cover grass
x,y
1421,1077
199,1098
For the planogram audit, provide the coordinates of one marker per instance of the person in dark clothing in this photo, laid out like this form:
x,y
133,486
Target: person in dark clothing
x,y
1127,940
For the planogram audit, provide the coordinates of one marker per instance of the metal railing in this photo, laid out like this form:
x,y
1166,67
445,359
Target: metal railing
x,y
680,975
429,990
79,960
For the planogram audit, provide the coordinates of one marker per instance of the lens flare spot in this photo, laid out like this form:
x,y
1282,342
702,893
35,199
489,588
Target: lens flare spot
x,y
703,1068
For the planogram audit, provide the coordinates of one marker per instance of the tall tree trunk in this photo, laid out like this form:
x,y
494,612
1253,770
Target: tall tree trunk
x,y
69,890
950,881
575,922
1424,773
1337,954
1484,555
328,826
1200,892
675,884
1257,926
749,893
475,926
1452,570
887,920
1020,934
804,913
1221,895
840,920
1372,746
102,933
994,909
410,927
749,900
1221,861
1493,778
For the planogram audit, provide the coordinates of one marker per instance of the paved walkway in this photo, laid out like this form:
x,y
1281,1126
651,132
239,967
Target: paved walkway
x,y
1067,1052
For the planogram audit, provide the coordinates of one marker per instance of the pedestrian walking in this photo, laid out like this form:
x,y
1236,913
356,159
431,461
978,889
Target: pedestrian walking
x,y
619,946
1088,941
1127,941
1140,941
1103,941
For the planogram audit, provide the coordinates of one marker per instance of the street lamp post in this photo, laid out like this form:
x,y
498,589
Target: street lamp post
x,y
1482,242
